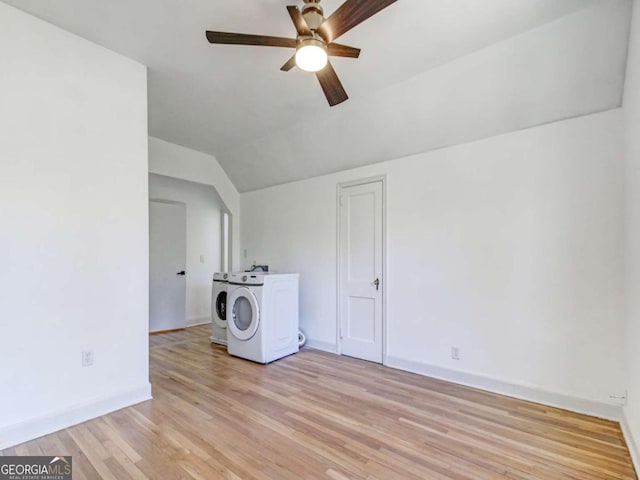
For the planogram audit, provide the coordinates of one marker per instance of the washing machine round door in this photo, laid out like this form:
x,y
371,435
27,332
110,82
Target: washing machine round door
x,y
243,316
220,309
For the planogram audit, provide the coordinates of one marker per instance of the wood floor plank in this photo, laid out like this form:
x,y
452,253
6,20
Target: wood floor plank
x,y
317,415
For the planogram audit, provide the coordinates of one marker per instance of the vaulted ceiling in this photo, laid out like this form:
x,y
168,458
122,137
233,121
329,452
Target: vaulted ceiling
x,y
432,73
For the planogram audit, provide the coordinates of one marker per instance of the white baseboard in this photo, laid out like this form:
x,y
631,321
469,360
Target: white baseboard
x,y
195,321
319,345
607,411
27,430
631,443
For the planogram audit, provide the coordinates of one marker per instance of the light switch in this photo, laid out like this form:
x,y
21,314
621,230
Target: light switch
x,y
201,258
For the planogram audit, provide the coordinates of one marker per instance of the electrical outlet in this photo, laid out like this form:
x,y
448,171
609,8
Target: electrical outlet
x,y
87,358
201,258
245,253
455,353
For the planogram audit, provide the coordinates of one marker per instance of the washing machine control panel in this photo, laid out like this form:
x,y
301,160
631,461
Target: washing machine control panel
x,y
220,277
246,278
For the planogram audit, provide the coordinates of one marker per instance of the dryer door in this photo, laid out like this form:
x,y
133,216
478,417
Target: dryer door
x,y
219,308
243,314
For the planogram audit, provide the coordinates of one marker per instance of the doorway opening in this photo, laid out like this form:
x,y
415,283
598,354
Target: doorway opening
x,y
208,247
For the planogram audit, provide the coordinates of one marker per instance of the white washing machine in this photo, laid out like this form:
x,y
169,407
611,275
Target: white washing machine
x,y
219,308
262,315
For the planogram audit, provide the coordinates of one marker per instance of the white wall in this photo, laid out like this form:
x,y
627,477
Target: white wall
x,y
173,160
74,245
632,127
204,238
509,248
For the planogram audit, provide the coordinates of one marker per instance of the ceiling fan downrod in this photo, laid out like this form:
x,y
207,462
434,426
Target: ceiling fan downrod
x,y
313,14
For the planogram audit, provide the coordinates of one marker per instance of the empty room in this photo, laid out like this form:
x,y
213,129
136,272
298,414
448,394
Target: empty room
x,y
320,239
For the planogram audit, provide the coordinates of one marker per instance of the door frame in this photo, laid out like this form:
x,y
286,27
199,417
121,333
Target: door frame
x,y
339,188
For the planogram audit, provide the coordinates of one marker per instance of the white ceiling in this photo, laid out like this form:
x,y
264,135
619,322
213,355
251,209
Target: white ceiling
x,y
418,84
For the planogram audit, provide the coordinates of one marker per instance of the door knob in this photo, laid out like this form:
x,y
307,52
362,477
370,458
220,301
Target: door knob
x,y
376,282
181,273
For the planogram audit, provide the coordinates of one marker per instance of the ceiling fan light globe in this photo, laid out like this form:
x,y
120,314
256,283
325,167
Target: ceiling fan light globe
x,y
311,58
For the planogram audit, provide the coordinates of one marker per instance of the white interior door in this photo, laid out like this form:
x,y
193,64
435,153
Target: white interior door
x,y
167,260
360,296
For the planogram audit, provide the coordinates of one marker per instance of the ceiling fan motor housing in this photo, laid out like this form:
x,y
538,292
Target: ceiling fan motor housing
x,y
314,41
313,13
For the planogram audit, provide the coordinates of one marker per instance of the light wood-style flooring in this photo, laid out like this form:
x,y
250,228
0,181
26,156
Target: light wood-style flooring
x,y
316,415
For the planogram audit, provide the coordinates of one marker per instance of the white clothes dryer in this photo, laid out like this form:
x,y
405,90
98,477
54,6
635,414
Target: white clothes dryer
x,y
219,308
262,315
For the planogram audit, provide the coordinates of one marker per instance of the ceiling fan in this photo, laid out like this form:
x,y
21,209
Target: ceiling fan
x,y
315,40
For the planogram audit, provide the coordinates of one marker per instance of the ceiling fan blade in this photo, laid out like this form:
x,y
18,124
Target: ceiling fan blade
x,y
289,65
243,39
337,50
350,14
298,20
331,85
